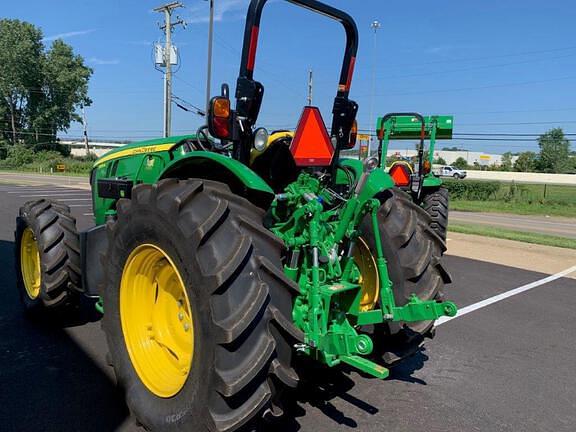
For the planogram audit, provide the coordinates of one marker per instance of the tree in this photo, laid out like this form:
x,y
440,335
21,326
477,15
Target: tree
x,y
506,162
66,89
460,163
440,161
526,162
554,152
40,90
452,149
20,73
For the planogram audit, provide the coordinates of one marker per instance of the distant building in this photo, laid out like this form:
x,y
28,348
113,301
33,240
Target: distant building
x,y
485,159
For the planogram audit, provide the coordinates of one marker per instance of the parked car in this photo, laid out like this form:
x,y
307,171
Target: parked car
x,y
450,171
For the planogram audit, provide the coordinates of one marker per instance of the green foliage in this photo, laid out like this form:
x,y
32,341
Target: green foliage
x,y
452,149
41,89
18,155
506,164
554,152
53,147
20,74
541,199
440,161
472,190
66,79
526,162
22,158
391,159
3,149
460,163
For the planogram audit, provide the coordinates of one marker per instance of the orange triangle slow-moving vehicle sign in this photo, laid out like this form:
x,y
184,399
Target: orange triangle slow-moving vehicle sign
x,y
311,145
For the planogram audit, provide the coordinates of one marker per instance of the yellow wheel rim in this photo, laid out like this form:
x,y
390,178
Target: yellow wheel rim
x,y
157,320
369,280
30,263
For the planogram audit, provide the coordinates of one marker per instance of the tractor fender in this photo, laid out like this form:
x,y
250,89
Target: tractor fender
x,y
213,166
432,181
378,180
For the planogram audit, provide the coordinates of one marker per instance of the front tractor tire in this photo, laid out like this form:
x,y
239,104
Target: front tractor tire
x,y
47,257
436,205
197,309
413,253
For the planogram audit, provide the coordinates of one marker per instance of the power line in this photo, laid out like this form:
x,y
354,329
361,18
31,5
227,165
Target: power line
x,y
518,123
461,89
459,60
503,134
471,68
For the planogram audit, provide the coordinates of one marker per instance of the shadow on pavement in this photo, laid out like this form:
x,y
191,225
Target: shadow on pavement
x,y
48,382
322,384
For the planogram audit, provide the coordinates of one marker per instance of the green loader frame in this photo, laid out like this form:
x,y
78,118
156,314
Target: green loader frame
x,y
417,178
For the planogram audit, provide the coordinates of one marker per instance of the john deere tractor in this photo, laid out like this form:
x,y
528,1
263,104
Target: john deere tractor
x,y
218,261
416,177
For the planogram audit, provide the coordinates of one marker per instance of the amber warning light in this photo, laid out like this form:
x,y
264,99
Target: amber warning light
x,y
311,145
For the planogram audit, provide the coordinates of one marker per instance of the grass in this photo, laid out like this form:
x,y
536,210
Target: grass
x,y
525,199
503,233
515,207
29,171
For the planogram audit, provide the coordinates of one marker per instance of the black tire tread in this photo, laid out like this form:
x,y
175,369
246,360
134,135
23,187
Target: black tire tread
x,y
244,315
416,250
436,204
59,246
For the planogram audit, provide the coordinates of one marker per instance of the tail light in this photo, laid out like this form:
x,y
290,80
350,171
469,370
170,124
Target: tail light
x,y
426,167
219,116
400,173
353,135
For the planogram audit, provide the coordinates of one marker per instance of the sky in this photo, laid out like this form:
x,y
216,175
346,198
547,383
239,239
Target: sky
x,y
502,67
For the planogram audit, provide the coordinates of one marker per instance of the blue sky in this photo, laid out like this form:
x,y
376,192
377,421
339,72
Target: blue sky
x,y
498,66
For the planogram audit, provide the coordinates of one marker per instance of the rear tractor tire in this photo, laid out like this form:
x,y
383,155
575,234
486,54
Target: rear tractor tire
x,y
436,205
197,308
413,253
47,256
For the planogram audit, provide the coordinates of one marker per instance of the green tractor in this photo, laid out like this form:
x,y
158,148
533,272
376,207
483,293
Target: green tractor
x,y
219,261
416,178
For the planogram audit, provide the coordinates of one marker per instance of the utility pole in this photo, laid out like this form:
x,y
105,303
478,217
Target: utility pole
x,y
209,67
310,86
167,27
85,125
374,26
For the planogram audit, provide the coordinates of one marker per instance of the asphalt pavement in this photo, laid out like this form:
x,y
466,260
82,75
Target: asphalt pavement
x,y
505,367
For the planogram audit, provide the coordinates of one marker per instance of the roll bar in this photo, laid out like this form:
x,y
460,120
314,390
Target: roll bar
x,y
249,92
253,25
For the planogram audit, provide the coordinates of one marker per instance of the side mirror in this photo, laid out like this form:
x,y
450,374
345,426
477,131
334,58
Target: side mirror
x,y
220,118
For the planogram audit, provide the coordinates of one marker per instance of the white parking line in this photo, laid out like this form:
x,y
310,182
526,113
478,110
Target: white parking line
x,y
487,302
28,190
53,195
88,214
80,205
75,199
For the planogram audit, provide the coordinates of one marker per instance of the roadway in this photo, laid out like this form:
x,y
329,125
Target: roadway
x,y
564,227
557,226
508,366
